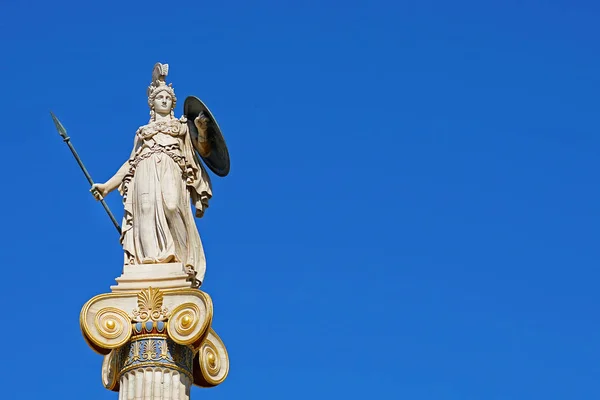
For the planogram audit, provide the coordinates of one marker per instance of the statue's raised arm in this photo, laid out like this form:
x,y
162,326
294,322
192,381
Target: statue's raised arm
x,y
163,173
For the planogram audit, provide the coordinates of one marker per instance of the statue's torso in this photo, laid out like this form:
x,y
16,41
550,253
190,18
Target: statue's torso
x,y
167,134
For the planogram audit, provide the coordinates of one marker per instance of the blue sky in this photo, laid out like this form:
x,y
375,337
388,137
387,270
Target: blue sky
x,y
412,210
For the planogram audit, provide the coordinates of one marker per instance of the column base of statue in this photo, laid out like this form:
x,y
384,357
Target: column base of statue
x,y
156,343
162,276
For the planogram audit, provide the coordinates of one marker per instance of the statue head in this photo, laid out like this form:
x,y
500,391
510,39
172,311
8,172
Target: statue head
x,y
163,102
161,97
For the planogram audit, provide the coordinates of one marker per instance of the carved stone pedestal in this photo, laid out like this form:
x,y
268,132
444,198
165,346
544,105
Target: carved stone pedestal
x,y
156,342
161,276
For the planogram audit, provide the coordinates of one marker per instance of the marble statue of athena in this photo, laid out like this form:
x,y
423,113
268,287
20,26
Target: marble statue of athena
x,y
157,182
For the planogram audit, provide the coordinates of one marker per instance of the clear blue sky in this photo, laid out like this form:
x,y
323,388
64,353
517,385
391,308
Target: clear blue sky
x,y
412,210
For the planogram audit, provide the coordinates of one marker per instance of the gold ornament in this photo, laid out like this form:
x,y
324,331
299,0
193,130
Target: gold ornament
x,y
111,329
186,321
187,324
213,360
150,306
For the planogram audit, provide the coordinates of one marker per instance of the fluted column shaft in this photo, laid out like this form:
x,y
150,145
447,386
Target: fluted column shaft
x,y
154,384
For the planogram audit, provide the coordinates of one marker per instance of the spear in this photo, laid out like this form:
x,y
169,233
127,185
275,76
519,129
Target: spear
x,y
63,133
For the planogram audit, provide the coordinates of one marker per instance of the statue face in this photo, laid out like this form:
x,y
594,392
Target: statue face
x,y
163,103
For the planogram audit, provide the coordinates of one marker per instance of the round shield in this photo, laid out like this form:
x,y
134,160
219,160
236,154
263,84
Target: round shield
x,y
218,159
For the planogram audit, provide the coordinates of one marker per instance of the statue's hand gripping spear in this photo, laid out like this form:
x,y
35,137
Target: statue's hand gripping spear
x,y
63,133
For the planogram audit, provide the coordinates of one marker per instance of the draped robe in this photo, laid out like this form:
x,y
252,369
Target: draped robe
x,y
164,175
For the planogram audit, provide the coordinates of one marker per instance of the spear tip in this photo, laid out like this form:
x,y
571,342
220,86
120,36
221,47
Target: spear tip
x,y
59,127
